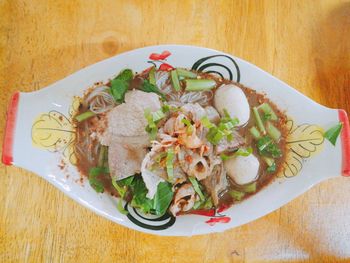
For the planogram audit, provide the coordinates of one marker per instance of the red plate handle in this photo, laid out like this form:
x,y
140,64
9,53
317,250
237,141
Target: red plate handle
x,y
7,147
345,140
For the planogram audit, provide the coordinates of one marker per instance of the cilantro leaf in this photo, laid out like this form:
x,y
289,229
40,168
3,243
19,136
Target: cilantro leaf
x,y
272,168
120,85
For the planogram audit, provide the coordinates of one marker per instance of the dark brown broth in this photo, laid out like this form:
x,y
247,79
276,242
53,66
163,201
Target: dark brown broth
x,y
255,99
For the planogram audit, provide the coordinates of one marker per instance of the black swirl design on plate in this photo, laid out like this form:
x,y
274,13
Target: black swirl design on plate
x,y
134,216
220,69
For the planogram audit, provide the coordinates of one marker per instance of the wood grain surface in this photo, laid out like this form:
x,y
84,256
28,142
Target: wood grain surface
x,y
304,43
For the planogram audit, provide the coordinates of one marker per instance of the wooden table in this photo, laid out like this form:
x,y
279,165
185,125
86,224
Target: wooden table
x,y
304,43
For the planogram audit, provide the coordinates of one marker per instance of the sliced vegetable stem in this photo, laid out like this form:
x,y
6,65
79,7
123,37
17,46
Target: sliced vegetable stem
x,y
84,116
266,108
175,80
199,84
259,121
250,188
101,156
195,185
237,195
186,73
152,77
254,132
273,131
268,161
169,164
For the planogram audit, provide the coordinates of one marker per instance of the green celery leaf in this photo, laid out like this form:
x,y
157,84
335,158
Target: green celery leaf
x,y
162,198
94,181
139,199
237,195
148,87
120,85
126,181
126,75
268,147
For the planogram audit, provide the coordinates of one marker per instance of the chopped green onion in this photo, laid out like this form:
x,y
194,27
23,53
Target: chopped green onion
x,y
197,204
188,124
225,157
254,132
229,137
207,123
266,108
169,164
152,76
158,115
175,80
186,73
240,152
149,117
208,203
165,108
237,195
217,137
244,151
199,84
152,119
332,134
259,121
226,126
160,156
227,115
152,132
268,161
267,147
83,116
121,208
273,131
249,188
272,168
195,185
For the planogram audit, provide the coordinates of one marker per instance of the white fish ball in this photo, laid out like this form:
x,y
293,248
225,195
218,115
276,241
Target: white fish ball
x,y
233,99
242,169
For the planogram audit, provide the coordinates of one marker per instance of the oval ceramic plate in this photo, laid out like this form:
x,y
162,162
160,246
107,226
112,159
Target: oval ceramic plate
x,y
39,137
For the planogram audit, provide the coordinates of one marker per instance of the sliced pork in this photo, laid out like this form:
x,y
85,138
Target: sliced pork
x,y
126,135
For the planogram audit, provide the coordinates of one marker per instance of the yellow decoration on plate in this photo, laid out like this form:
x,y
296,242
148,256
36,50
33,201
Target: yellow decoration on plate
x,y
54,132
303,141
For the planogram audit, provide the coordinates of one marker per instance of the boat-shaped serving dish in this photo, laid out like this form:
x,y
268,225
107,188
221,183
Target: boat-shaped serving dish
x,y
40,136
